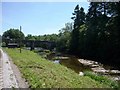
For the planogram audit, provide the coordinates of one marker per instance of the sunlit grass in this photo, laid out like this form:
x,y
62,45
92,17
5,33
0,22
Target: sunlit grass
x,y
102,79
41,73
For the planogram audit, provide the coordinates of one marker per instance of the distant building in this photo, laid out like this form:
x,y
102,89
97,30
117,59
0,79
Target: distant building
x,y
12,45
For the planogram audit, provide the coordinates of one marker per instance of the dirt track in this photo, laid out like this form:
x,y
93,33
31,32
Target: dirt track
x,y
10,76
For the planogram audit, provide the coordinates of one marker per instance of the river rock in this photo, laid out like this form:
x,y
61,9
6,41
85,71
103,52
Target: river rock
x,y
115,71
81,73
85,62
94,65
116,78
61,57
98,68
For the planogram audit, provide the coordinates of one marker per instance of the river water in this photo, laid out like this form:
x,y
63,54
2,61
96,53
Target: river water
x,y
80,65
68,61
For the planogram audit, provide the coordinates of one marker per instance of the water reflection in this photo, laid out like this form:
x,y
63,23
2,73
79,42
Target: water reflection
x,y
69,62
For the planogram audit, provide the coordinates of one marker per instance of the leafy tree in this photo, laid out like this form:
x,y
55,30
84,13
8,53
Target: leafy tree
x,y
63,41
30,37
14,34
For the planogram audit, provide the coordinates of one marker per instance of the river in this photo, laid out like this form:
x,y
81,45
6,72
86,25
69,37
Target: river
x,y
80,65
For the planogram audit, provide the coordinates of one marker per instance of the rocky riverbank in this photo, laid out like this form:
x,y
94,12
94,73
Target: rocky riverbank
x,y
98,68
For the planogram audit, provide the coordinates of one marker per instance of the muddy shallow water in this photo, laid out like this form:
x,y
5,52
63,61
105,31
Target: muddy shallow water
x,y
73,64
81,65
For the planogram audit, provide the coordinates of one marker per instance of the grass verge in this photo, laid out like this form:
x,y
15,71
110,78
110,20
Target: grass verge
x,y
102,79
41,73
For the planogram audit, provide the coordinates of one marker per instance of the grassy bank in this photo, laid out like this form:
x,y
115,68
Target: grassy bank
x,y
41,73
103,79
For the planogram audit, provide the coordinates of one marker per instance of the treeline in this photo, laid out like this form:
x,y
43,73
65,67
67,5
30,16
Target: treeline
x,y
96,34
93,35
62,39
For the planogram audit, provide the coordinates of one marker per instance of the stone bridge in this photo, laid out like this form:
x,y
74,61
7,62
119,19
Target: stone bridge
x,y
33,43
38,43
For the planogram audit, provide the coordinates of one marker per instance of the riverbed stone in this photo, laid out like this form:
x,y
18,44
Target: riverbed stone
x,y
81,73
93,66
115,71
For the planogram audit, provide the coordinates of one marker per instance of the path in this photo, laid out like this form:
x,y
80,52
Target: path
x,y
8,76
1,73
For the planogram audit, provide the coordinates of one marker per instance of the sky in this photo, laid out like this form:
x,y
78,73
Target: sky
x,y
38,18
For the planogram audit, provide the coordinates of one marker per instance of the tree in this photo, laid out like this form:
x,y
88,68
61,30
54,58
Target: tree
x,y
63,40
29,37
113,28
101,38
79,19
13,34
96,37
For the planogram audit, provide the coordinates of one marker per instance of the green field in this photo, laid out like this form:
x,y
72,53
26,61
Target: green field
x,y
41,73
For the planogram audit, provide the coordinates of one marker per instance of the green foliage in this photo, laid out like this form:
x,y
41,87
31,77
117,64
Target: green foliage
x,y
102,79
30,37
41,73
96,34
52,37
63,41
14,34
79,19
3,44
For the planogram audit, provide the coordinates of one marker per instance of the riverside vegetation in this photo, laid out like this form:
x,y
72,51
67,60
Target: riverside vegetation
x,y
41,73
93,35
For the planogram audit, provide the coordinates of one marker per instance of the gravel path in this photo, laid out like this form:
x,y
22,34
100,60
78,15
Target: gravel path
x,y
10,77
1,73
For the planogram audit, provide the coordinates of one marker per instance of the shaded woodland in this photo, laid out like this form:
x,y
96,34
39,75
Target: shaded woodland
x,y
97,33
